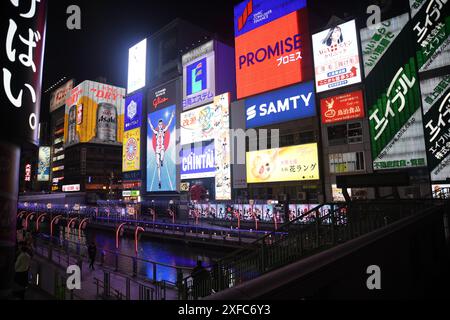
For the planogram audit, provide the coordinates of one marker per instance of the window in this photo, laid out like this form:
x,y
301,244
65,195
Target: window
x,y
345,134
307,137
347,162
286,141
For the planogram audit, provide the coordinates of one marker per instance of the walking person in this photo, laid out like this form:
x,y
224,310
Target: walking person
x,y
92,252
201,281
22,268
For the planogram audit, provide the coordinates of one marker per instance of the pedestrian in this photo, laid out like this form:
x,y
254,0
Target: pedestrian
x,y
22,268
201,281
92,252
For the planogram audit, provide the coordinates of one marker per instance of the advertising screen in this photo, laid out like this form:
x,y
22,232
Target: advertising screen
x,y
43,174
94,114
133,111
198,161
394,107
376,40
58,97
274,55
131,150
137,65
199,83
336,57
295,102
343,107
252,14
162,96
212,122
161,155
297,163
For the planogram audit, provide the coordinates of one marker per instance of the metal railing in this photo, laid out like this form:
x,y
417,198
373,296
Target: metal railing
x,y
333,224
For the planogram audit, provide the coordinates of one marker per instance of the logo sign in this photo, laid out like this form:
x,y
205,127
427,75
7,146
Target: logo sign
x,y
297,163
376,40
343,107
44,164
137,65
131,150
131,193
22,38
133,111
296,102
274,55
58,97
163,96
252,14
161,155
198,161
72,188
28,172
336,57
199,76
185,186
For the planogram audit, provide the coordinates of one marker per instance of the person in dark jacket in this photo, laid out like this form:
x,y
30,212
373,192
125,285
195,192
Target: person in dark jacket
x,y
201,281
92,252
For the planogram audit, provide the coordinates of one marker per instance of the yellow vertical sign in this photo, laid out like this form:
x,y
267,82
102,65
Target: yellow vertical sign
x,y
131,150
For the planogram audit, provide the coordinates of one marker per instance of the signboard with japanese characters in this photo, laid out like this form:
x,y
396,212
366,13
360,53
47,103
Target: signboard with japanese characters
x,y
22,35
394,107
377,39
431,29
336,57
199,85
436,107
347,106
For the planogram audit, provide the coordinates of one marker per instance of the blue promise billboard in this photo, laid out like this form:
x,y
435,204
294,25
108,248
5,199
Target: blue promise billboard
x,y
252,14
291,103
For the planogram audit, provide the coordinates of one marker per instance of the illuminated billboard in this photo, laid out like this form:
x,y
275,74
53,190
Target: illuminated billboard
x,y
94,114
199,76
161,155
58,97
274,55
252,14
198,161
162,96
212,122
133,111
137,66
297,163
295,102
394,107
43,174
344,107
131,150
336,57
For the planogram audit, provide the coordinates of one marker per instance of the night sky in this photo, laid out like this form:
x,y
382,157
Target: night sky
x,y
110,27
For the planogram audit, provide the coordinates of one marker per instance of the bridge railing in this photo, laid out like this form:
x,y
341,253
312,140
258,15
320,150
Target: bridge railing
x,y
333,224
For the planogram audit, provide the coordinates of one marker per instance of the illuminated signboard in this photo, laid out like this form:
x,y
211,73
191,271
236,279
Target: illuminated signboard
x,y
347,106
161,155
58,97
377,39
199,76
297,163
274,55
252,14
28,172
336,57
431,28
133,111
131,150
212,122
295,102
163,96
94,114
137,65
198,161
44,164
71,188
394,107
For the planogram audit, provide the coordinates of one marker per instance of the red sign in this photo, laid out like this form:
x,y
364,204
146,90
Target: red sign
x,y
28,172
274,55
343,107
